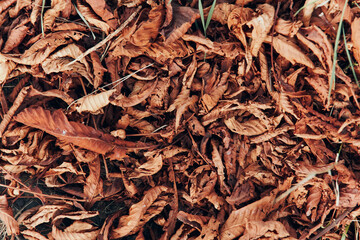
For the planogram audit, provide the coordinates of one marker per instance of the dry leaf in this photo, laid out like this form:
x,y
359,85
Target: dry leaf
x,y
78,134
137,211
290,51
261,27
6,216
355,34
94,103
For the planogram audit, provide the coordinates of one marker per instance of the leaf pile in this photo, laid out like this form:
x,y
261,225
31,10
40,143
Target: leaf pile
x,y
132,120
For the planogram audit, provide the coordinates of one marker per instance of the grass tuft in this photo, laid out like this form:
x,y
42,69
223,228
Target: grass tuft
x,y
349,58
202,15
332,79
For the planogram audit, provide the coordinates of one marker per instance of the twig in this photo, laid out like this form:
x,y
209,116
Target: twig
x,y
42,194
332,225
105,40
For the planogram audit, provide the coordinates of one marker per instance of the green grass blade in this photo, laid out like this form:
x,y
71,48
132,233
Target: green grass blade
x,y
201,11
349,58
42,18
356,4
210,14
300,9
344,235
332,80
84,20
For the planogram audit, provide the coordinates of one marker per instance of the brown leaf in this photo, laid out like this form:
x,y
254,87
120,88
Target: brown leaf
x,y
78,134
222,11
355,35
103,10
98,69
155,162
247,128
148,30
61,65
94,103
261,27
42,48
309,7
290,51
57,6
33,217
317,36
287,27
33,235
257,229
5,4
6,216
78,230
71,50
183,18
6,67
256,211
15,37
92,18
137,211
93,184
134,99
235,225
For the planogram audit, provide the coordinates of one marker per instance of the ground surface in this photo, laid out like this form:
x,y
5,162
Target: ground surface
x,y
146,120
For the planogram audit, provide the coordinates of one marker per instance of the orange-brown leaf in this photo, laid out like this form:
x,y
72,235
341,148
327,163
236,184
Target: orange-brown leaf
x,y
148,30
355,36
94,103
137,212
290,51
15,38
76,133
103,10
6,216
183,18
261,27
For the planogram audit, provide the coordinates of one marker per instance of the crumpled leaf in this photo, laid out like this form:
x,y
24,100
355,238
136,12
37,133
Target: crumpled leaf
x,y
137,211
6,67
16,36
247,128
261,27
79,230
287,27
309,7
61,65
57,6
222,12
155,162
290,51
33,217
182,19
92,18
256,211
134,99
6,216
103,10
42,48
5,4
256,229
148,30
94,103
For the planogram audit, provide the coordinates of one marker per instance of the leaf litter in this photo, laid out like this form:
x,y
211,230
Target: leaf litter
x,y
135,120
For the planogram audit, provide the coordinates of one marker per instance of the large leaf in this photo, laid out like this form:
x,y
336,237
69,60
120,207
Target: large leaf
x,y
76,133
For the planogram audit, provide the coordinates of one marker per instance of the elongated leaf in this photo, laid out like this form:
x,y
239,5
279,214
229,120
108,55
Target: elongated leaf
x,y
78,134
